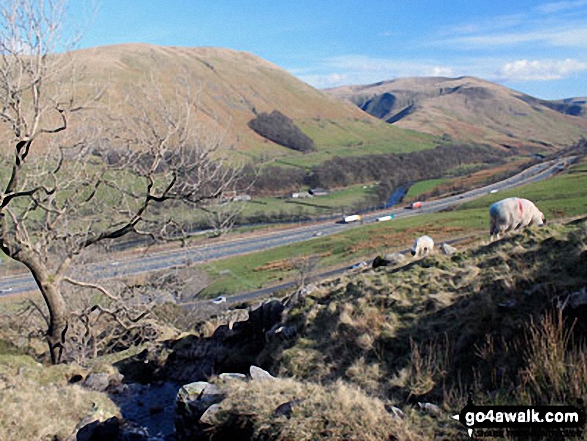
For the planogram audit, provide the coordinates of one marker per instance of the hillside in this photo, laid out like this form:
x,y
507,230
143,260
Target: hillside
x,y
470,109
356,357
234,88
569,106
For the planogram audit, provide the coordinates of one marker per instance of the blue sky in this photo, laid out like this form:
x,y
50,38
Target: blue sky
x,y
537,47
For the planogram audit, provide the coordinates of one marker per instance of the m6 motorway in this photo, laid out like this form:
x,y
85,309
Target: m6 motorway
x,y
139,263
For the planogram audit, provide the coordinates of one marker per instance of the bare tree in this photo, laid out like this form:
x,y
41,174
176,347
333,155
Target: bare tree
x,y
58,199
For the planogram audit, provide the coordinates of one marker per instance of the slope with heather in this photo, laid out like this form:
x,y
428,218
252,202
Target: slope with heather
x,y
233,88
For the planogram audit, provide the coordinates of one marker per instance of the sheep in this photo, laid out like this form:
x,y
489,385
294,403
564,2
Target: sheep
x,y
422,246
513,214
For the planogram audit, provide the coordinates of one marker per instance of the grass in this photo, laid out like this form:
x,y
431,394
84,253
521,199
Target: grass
x,y
39,404
356,138
481,321
433,329
427,331
336,411
423,187
561,196
331,204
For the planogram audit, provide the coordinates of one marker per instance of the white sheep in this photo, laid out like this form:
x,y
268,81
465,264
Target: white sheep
x,y
513,214
422,246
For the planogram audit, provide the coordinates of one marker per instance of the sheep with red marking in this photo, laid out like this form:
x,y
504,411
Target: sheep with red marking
x,y
422,246
513,214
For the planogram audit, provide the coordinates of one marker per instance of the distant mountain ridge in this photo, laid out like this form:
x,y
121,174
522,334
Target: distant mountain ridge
x,y
472,110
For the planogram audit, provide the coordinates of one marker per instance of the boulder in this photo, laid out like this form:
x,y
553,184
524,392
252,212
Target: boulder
x,y
447,249
97,381
193,401
259,374
226,350
210,415
232,376
395,258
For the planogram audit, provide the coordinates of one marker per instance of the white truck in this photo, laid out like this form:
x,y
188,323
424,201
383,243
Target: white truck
x,y
351,218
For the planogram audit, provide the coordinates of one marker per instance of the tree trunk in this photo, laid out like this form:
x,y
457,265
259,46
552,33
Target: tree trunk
x,y
58,313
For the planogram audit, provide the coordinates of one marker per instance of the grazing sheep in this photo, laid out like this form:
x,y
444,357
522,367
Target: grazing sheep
x,y
513,214
422,246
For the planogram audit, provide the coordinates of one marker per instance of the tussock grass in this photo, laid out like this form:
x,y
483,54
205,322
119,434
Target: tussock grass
x,y
37,403
556,366
338,411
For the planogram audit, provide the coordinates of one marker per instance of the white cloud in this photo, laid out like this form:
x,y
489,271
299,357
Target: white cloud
x,y
440,71
540,70
359,69
559,6
571,37
560,24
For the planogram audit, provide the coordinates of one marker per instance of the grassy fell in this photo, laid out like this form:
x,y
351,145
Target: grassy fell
x,y
335,411
483,319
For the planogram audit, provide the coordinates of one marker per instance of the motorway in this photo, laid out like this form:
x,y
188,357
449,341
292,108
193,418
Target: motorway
x,y
138,263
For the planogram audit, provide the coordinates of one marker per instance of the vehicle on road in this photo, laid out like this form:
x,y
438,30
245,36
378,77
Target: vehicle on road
x,y
385,218
351,218
359,265
415,205
219,300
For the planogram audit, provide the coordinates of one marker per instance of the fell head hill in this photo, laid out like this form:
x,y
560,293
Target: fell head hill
x,y
470,109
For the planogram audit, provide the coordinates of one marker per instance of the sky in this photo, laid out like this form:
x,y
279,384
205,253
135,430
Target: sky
x,y
536,47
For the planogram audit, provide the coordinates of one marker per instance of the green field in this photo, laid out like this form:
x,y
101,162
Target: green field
x,y
423,187
333,204
561,196
356,138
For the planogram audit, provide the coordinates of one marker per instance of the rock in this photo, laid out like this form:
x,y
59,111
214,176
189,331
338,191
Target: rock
x,y
284,332
286,409
395,258
97,381
447,249
199,391
108,430
259,374
210,415
396,413
577,299
430,408
232,376
193,401
264,317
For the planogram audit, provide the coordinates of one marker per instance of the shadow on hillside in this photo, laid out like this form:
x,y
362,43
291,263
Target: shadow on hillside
x,y
154,376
